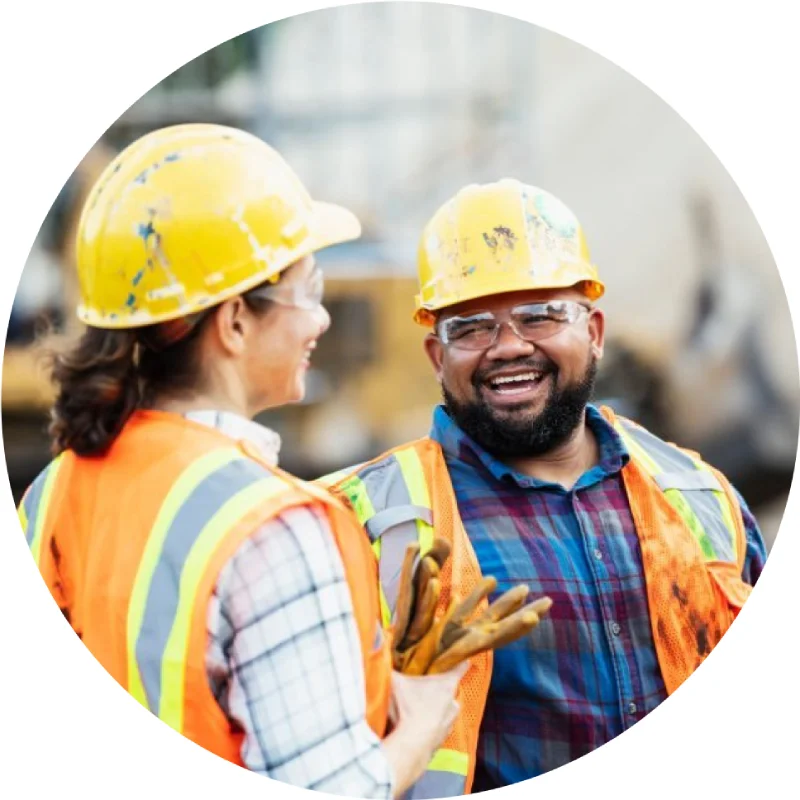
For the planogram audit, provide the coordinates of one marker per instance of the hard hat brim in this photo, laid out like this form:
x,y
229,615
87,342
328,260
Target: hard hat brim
x,y
593,289
332,224
328,224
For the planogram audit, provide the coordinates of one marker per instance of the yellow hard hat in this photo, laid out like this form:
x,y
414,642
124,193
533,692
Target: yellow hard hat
x,y
188,216
500,237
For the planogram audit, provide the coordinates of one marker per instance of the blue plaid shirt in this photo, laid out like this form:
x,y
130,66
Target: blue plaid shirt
x,y
590,670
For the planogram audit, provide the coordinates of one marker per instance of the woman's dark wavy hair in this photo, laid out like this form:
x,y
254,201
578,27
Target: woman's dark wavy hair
x,y
106,375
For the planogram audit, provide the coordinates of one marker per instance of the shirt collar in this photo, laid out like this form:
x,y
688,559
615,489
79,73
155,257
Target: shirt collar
x,y
458,446
265,440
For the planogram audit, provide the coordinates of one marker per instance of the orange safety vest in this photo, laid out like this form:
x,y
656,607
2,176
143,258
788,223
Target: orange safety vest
x,y
691,535
131,545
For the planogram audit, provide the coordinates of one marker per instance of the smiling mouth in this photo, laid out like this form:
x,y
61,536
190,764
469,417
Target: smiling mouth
x,y
516,384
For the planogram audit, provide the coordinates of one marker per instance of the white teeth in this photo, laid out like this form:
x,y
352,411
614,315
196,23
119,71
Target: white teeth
x,y
528,376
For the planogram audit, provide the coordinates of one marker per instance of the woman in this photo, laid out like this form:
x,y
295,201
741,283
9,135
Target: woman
x,y
232,600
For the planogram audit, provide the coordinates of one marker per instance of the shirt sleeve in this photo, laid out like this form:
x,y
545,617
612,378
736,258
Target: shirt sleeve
x,y
756,555
284,661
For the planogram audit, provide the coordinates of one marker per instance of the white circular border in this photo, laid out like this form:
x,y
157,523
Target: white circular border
x,y
71,69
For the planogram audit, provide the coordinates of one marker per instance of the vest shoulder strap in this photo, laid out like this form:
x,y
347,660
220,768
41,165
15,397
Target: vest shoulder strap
x,y
701,495
35,503
213,496
390,495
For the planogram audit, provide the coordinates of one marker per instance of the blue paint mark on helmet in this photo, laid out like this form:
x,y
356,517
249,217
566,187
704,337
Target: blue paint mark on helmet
x,y
146,231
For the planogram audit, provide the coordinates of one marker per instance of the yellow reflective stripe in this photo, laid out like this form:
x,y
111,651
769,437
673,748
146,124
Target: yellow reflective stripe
x,y
679,503
638,451
386,614
450,761
188,481
674,496
357,494
41,513
23,517
414,476
359,499
725,510
173,668
326,481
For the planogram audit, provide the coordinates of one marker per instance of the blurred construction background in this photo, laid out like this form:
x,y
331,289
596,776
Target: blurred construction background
x,y
389,109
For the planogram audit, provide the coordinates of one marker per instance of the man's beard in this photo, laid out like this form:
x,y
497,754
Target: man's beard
x,y
518,434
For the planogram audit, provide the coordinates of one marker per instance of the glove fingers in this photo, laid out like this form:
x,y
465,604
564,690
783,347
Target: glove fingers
x,y
405,594
423,614
472,600
427,568
506,604
464,647
452,633
491,635
541,605
519,623
440,551
426,649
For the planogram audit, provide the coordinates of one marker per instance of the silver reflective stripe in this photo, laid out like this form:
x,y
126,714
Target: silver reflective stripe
x,y
393,551
386,487
384,484
697,480
436,784
389,517
396,527
706,506
669,458
327,481
164,591
681,474
32,502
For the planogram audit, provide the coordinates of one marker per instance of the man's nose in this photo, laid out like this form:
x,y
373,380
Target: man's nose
x,y
509,344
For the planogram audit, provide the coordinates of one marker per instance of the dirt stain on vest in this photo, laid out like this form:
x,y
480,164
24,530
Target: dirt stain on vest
x,y
680,595
702,641
700,628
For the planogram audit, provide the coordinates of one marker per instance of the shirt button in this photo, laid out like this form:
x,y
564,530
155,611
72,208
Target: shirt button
x,y
632,708
615,628
598,554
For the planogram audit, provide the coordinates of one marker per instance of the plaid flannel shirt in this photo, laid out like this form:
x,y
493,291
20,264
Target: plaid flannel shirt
x,y
590,670
284,658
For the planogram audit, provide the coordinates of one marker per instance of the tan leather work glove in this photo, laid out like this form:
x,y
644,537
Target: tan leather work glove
x,y
427,645
417,596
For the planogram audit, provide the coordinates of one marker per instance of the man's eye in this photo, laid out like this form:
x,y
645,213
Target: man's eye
x,y
469,327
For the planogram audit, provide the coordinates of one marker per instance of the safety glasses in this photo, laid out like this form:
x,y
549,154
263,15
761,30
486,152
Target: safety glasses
x,y
306,295
532,322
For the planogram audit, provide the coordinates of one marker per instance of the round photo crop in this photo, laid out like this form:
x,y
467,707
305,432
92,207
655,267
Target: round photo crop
x,y
390,405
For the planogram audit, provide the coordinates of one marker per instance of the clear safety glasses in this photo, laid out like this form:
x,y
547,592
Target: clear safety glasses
x,y
532,322
306,295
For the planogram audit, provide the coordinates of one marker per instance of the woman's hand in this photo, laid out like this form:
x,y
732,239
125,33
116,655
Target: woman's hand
x,y
422,711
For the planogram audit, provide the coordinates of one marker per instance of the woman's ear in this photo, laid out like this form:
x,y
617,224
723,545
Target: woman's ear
x,y
230,324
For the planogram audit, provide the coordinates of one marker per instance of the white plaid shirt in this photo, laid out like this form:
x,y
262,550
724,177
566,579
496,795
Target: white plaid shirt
x,y
284,659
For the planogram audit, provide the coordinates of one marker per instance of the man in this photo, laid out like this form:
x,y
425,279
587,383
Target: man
x,y
647,552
